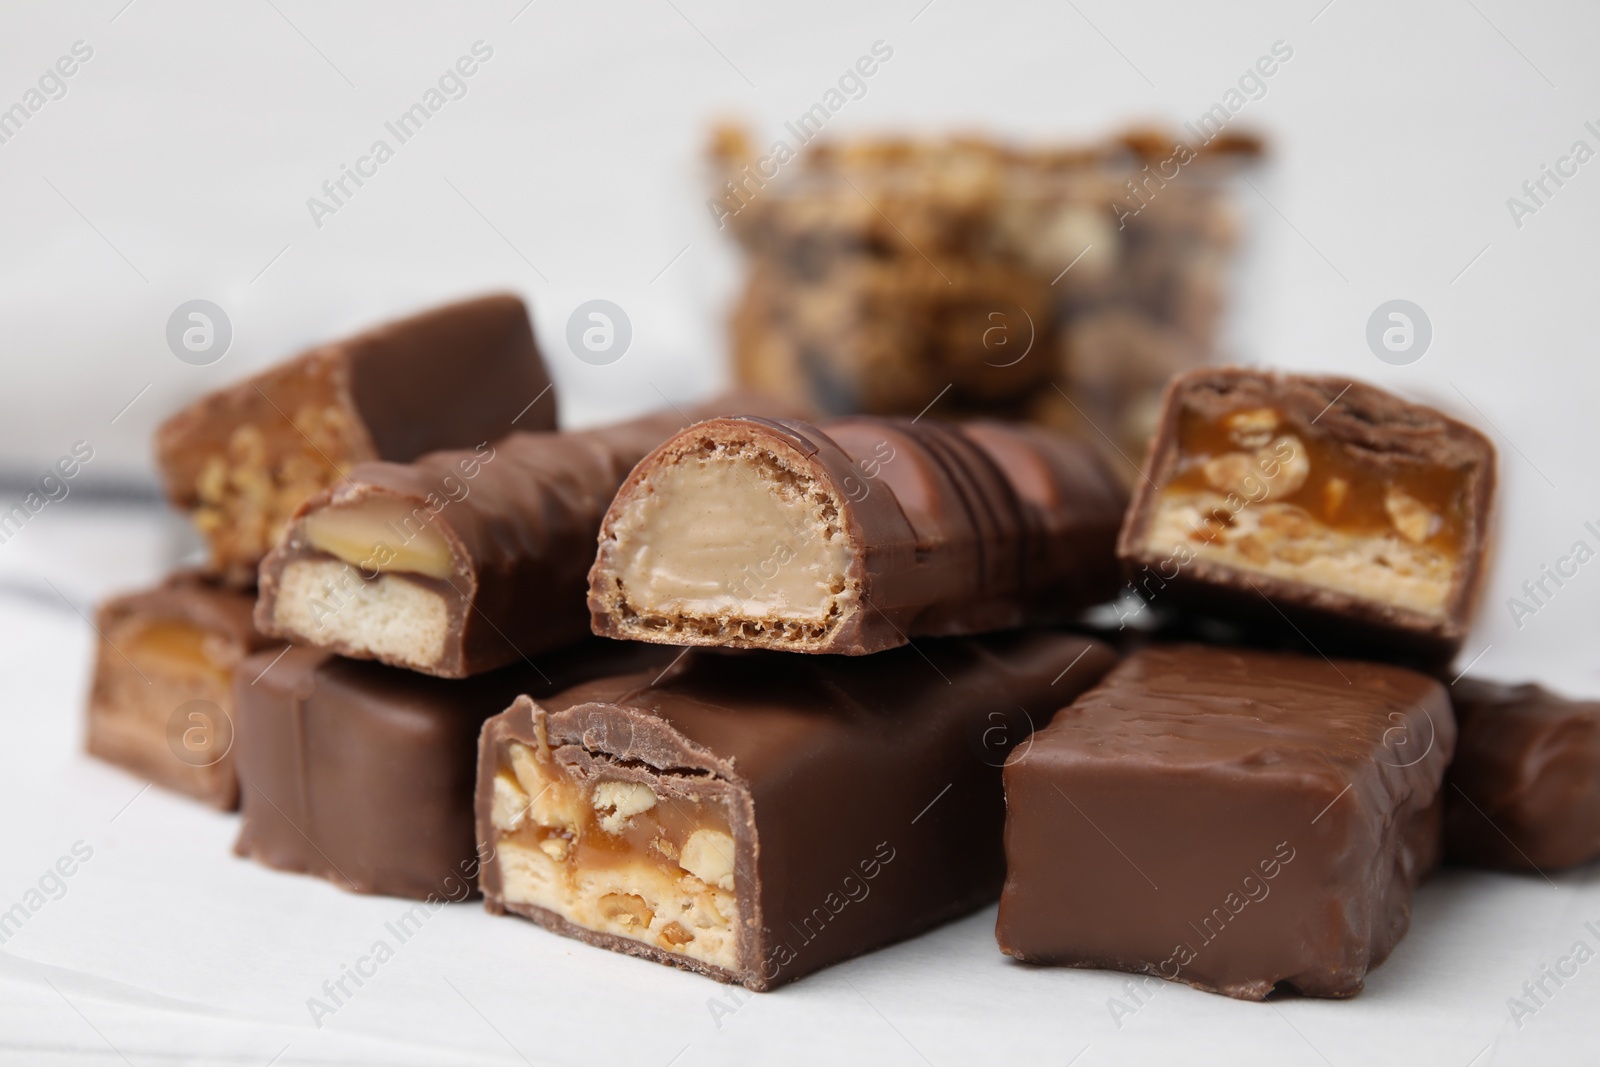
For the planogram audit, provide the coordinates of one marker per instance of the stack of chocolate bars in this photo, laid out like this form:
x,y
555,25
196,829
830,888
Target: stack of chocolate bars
x,y
751,696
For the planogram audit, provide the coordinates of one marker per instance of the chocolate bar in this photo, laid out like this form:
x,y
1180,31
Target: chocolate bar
x,y
1232,820
465,561
161,703
1524,790
242,459
854,535
363,774
754,816
1360,518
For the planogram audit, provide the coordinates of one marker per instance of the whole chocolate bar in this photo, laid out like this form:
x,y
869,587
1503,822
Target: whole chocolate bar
x,y
854,535
1524,789
363,774
1233,820
460,562
242,459
1361,518
754,816
161,703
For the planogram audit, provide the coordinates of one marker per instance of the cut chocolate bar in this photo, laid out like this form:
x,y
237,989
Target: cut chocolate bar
x,y
1524,790
754,816
363,774
461,561
853,536
1233,820
243,458
1362,518
161,703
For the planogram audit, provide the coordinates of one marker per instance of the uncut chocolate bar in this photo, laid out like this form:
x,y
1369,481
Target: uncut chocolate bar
x,y
854,535
754,816
1361,517
161,703
461,561
243,458
363,774
1524,789
1232,820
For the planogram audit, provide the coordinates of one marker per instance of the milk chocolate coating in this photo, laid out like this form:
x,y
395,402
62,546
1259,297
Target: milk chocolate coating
x,y
522,536
1524,790
447,378
1234,820
130,708
363,775
836,763
964,529
1384,431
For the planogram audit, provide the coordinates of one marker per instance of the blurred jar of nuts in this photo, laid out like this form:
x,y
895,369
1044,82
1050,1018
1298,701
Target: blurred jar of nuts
x,y
1063,286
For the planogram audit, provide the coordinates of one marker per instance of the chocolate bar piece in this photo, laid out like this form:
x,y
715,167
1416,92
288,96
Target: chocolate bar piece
x,y
461,561
1363,519
363,774
755,817
854,535
1233,820
243,458
161,704
1524,790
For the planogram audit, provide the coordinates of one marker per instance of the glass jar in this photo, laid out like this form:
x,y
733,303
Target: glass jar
x,y
964,277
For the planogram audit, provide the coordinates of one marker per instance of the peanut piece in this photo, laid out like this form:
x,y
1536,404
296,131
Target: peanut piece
x,y
1410,516
620,801
708,855
510,804
1228,472
626,909
549,804
1293,470
1252,428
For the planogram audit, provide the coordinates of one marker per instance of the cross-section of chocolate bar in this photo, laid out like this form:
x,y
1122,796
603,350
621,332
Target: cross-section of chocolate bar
x,y
853,535
161,703
1360,517
755,816
1524,790
1233,820
465,561
363,775
243,458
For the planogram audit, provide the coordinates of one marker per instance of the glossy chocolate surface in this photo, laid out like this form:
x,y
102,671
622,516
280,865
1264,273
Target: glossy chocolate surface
x,y
834,766
363,774
1234,820
1524,790
521,527
950,530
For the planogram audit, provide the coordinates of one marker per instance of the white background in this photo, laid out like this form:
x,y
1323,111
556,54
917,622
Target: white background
x,y
178,165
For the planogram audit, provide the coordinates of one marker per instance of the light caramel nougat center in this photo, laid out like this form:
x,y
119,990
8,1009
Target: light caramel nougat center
x,y
611,855
1257,492
729,536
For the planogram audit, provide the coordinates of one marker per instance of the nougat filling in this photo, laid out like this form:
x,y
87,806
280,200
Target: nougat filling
x,y
727,539
610,854
1259,492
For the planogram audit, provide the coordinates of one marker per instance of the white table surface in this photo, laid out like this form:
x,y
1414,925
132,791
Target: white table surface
x,y
166,948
